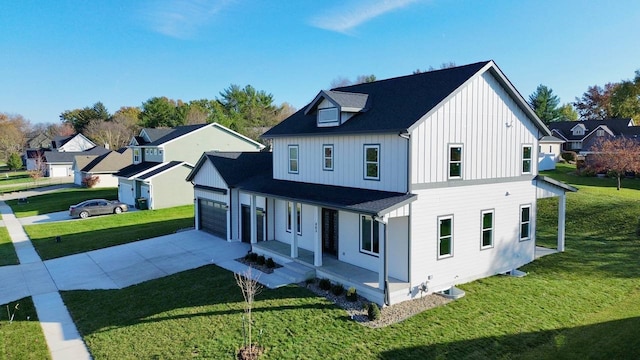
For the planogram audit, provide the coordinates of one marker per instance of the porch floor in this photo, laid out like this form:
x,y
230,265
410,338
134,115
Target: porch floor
x,y
332,265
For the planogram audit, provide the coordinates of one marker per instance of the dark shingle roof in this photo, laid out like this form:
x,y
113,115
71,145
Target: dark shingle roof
x,y
618,126
133,169
394,105
236,167
161,169
69,156
366,201
161,136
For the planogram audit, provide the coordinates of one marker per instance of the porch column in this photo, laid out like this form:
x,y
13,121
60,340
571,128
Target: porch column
x,y
294,230
317,248
562,205
254,229
382,256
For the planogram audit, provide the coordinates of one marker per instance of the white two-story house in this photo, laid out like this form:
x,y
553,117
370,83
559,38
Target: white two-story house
x,y
162,158
396,187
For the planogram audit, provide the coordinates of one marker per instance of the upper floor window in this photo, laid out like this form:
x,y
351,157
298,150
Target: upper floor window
x,y
445,236
487,229
293,159
372,162
155,151
369,236
327,157
136,155
525,222
526,159
327,115
455,161
600,132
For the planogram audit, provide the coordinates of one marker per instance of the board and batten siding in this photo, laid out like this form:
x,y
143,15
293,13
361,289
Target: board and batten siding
x,y
207,175
348,161
465,204
489,125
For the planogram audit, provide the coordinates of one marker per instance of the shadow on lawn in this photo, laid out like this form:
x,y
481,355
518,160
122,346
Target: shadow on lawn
x,y
617,339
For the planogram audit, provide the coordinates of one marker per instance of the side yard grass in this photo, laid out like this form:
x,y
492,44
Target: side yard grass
x,y
8,254
23,337
583,303
99,232
59,200
14,177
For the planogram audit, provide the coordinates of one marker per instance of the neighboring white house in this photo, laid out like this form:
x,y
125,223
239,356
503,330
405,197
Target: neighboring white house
x,y
72,143
549,150
162,159
396,187
60,164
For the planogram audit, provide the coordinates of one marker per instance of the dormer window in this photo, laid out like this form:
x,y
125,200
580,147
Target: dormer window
x,y
578,130
329,115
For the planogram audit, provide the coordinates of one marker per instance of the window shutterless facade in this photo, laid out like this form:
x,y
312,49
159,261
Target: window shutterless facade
x,y
298,217
486,235
455,161
327,157
372,162
445,236
525,222
369,236
526,159
293,159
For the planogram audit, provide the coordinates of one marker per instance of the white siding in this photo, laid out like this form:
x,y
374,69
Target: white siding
x,y
209,176
306,240
348,161
487,122
349,243
465,204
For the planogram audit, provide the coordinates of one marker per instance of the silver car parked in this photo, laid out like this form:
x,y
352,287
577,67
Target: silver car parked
x,y
97,207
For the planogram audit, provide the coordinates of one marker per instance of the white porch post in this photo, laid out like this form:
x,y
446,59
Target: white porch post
x,y
382,255
317,250
254,229
562,205
294,230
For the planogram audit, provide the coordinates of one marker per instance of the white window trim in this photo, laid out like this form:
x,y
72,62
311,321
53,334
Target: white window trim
x,y
290,159
325,158
446,256
299,218
449,161
528,222
365,162
290,220
371,231
332,119
523,159
482,228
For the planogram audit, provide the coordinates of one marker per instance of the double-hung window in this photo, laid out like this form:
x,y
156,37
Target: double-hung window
x,y
136,155
487,229
526,159
298,217
327,157
372,162
455,162
369,236
525,222
445,236
293,159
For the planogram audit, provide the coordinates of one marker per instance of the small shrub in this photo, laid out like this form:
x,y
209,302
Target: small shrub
x,y
310,281
373,312
569,156
337,289
90,181
261,260
352,295
270,263
324,284
248,256
253,257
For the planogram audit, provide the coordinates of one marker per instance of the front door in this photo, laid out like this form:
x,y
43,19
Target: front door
x,y
330,231
246,224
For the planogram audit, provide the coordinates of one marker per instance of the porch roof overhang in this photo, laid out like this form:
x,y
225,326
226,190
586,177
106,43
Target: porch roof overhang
x,y
362,201
552,185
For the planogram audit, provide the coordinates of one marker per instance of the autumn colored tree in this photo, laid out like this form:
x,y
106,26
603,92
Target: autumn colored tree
x,y
618,156
13,129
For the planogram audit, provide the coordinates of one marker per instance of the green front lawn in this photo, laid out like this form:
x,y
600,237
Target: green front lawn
x,y
103,231
7,251
14,177
583,303
22,338
59,200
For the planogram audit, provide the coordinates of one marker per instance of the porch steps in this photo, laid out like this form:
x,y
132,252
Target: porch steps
x,y
295,272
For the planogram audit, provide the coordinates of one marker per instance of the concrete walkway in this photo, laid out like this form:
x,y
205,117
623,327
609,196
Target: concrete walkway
x,y
111,268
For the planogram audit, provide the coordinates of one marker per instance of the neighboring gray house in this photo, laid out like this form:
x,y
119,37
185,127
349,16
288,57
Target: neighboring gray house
x,y
162,159
60,164
397,187
104,167
580,136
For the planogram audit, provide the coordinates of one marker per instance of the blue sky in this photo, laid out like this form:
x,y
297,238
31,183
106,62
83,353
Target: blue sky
x,y
66,54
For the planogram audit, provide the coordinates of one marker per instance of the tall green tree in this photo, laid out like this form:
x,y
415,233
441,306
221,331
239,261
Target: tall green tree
x,y
80,118
568,113
545,104
247,109
161,112
625,99
14,162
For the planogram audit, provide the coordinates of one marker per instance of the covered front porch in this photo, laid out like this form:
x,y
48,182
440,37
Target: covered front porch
x,y
366,282
548,187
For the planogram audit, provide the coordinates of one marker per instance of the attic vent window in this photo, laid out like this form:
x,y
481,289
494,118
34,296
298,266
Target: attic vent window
x,y
328,115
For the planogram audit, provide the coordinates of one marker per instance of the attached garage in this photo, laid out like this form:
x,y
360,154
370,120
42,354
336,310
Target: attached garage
x,y
212,217
125,192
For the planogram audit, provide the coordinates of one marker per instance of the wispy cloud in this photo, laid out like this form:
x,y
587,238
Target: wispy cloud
x,y
353,13
182,18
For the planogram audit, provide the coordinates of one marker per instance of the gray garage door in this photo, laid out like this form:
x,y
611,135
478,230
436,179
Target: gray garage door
x,y
213,217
